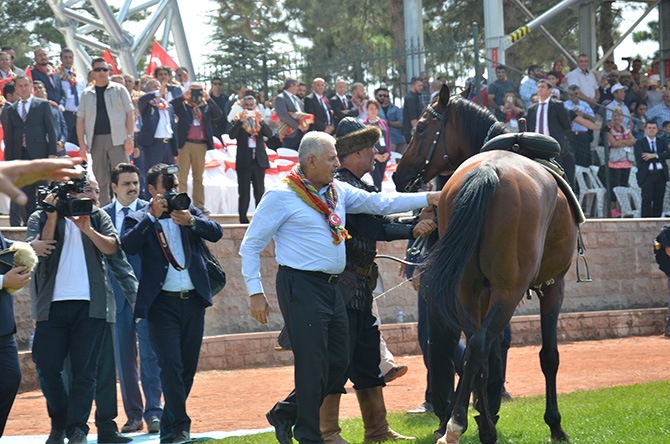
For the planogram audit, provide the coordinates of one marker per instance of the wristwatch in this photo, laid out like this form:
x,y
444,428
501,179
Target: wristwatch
x,y
130,136
191,223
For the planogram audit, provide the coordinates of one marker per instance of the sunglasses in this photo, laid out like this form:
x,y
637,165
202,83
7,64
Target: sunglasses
x,y
216,84
100,69
382,96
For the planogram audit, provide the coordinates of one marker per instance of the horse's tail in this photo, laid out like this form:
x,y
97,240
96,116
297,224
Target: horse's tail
x,y
446,263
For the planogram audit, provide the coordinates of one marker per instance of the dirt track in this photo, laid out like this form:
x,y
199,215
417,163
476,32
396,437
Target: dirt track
x,y
233,400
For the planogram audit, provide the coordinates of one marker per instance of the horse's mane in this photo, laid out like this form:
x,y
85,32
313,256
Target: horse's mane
x,y
475,122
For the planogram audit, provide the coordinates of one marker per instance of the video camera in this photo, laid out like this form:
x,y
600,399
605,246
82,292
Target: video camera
x,y
175,201
67,205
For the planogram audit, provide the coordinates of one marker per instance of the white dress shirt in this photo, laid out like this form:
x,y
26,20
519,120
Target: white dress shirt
x,y
302,235
174,280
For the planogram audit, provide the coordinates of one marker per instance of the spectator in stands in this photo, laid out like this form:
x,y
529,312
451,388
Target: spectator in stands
x,y
44,71
635,70
579,136
654,92
251,160
552,77
585,79
107,131
383,145
513,110
528,86
661,112
558,68
621,155
608,67
182,77
655,69
618,95
664,133
359,100
340,103
72,86
652,170
412,109
393,116
502,85
6,66
164,75
641,120
12,54
221,99
195,114
425,90
61,127
288,106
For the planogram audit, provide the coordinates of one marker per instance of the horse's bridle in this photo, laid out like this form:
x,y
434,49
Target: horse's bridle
x,y
418,182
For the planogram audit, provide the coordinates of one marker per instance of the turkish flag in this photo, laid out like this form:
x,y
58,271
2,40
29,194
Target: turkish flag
x,y
107,55
29,72
159,57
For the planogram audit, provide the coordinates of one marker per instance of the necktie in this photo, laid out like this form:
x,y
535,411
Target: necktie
x,y
74,91
296,102
653,146
344,103
325,107
541,123
24,117
125,213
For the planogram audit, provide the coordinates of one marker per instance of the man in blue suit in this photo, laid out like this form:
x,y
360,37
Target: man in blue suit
x,y
158,133
10,369
174,290
126,188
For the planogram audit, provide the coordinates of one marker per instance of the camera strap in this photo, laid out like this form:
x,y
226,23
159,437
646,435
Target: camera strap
x,y
162,240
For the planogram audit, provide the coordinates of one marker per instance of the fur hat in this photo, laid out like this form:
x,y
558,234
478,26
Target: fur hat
x,y
353,136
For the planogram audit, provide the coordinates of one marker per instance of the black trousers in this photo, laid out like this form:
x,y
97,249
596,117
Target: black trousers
x,y
653,191
10,376
293,142
69,330
567,160
71,122
157,152
254,175
105,386
317,325
581,148
176,327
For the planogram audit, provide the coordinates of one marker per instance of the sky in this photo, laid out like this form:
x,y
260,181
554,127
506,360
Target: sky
x,y
198,31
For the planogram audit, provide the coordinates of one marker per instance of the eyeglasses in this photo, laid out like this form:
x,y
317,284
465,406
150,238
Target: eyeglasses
x,y
608,62
216,83
383,96
100,69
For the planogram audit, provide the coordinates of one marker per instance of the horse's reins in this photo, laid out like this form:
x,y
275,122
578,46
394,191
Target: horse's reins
x,y
418,180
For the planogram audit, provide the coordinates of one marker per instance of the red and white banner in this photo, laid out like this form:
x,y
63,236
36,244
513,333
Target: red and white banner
x,y
159,57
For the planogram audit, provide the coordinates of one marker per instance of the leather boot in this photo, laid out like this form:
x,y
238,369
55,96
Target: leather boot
x,y
329,415
373,410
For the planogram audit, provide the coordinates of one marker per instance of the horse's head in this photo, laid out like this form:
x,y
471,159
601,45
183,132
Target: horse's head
x,y
449,131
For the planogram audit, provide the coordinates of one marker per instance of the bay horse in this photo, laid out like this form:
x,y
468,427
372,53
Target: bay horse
x,y
505,227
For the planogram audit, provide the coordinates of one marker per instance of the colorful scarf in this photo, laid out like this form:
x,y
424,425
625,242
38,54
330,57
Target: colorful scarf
x,y
197,113
285,130
251,126
305,190
64,76
159,103
50,72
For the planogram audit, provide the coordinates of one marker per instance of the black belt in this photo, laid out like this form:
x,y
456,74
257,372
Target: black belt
x,y
196,141
71,112
363,271
330,278
188,294
577,133
164,140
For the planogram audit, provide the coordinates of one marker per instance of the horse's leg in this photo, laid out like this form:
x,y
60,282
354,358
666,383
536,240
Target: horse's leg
x,y
550,306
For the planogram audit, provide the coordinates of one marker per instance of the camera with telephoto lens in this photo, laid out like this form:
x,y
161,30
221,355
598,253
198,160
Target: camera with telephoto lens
x,y
67,205
175,201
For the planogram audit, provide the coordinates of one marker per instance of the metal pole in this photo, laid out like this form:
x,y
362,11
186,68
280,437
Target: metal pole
x,y
608,184
120,40
523,31
180,41
478,89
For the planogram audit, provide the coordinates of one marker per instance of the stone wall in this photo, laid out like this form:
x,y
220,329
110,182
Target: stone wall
x,y
619,253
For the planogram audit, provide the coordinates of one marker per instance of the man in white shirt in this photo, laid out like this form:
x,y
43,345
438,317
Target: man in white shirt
x,y
307,214
585,79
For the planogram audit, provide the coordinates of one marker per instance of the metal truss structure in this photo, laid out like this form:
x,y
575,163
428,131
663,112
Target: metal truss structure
x,y
76,24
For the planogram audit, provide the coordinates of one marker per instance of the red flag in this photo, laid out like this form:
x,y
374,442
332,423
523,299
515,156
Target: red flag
x,y
107,55
160,57
29,72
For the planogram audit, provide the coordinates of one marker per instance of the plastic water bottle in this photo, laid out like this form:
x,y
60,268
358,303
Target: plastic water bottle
x,y
401,317
30,341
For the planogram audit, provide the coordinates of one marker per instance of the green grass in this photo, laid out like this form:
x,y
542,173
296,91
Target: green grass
x,y
638,414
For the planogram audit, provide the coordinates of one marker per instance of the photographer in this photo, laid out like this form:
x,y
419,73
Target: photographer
x,y
195,116
70,303
174,288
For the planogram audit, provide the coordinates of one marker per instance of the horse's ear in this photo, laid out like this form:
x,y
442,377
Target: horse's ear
x,y
466,92
444,95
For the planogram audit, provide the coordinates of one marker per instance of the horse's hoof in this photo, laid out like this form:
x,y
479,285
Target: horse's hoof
x,y
561,437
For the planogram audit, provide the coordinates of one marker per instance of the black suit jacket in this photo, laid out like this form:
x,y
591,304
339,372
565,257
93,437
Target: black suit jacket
x,y
184,112
558,121
150,118
39,128
314,106
244,158
139,237
339,112
642,146
7,320
54,93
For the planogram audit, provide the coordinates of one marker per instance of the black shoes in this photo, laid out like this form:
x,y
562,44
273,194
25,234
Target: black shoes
x,y
113,438
282,428
153,425
56,437
182,437
78,437
395,373
132,426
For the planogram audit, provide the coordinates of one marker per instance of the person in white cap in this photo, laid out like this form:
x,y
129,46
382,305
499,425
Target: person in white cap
x,y
619,95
